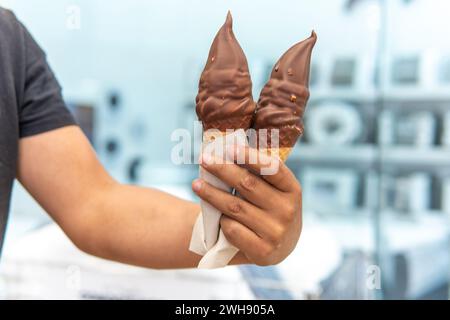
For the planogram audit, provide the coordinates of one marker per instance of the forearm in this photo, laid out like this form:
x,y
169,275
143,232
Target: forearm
x,y
141,226
129,224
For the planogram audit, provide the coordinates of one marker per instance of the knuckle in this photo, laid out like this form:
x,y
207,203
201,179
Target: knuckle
x,y
278,232
288,213
249,182
265,252
230,229
235,207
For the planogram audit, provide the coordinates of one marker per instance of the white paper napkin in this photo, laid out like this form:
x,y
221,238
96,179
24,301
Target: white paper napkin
x,y
208,239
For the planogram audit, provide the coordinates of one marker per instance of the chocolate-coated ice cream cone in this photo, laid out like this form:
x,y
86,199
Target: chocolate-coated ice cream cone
x,y
224,101
225,106
283,99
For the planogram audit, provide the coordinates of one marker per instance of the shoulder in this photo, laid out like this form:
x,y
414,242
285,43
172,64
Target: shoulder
x,y
8,22
11,32
12,55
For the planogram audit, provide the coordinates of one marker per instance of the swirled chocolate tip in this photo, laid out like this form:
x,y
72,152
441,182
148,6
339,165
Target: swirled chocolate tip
x,y
224,99
283,99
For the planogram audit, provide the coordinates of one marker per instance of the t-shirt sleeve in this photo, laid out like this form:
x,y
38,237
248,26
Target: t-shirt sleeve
x,y
42,108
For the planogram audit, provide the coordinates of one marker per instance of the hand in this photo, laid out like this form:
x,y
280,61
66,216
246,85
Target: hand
x,y
264,222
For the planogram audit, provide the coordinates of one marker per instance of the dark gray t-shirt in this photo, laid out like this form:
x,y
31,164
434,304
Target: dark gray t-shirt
x,y
30,100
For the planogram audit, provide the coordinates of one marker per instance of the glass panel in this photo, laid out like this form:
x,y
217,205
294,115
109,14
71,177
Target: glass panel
x,y
336,160
374,162
414,167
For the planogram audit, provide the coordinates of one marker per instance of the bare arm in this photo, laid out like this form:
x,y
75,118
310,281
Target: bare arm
x,y
125,223
147,227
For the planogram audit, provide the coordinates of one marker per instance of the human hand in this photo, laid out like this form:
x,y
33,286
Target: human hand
x,y
264,222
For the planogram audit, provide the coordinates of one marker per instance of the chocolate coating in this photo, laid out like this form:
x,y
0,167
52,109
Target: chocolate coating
x,y
224,99
283,99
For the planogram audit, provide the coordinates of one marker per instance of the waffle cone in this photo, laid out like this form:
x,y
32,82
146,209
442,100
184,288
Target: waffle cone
x,y
281,153
211,135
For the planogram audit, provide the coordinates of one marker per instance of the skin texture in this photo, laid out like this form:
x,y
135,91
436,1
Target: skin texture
x,y
147,227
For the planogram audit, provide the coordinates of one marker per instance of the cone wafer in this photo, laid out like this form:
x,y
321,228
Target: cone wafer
x,y
281,153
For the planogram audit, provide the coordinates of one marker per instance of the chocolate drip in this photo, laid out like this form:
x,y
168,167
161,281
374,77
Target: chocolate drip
x,y
224,99
283,99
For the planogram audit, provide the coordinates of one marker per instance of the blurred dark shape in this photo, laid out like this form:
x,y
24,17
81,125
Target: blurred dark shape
x,y
405,70
350,4
407,193
332,126
114,100
343,72
416,128
349,280
265,282
112,146
133,169
444,71
398,289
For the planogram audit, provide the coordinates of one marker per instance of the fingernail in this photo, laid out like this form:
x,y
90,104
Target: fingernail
x,y
196,185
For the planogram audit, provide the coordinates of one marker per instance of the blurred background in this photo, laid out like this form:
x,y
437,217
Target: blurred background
x,y
374,162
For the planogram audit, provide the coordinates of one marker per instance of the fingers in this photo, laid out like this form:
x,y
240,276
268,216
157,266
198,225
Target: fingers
x,y
265,223
255,219
255,248
271,169
248,185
